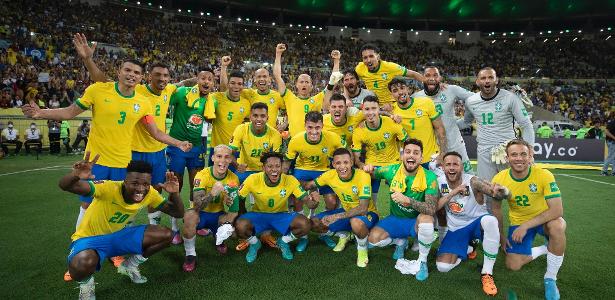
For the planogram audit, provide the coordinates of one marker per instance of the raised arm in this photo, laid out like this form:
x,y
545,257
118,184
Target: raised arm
x,y
75,181
277,68
174,207
86,53
333,79
225,61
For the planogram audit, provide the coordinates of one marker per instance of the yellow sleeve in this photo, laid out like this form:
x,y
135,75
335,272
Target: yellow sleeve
x,y
200,182
293,148
323,179
549,186
245,189
396,69
298,191
357,140
173,88
236,138
87,100
281,103
247,94
431,110
157,200
365,187
101,190
276,141
401,133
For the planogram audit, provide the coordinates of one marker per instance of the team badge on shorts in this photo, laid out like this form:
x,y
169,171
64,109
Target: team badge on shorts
x,y
136,107
533,188
419,113
283,193
355,190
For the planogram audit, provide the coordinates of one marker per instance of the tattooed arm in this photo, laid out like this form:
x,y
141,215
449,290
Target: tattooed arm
x,y
201,198
427,208
493,190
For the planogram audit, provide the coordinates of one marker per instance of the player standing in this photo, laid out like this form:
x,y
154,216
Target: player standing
x,y
535,207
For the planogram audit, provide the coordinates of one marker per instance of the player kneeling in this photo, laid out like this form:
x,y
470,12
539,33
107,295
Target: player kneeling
x,y
467,218
208,204
358,214
271,190
102,233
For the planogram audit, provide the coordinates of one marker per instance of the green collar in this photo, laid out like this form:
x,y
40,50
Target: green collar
x,y
374,129
349,179
117,89
211,171
254,133
308,141
529,171
150,89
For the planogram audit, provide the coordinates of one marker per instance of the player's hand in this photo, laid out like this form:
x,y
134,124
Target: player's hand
x,y
504,243
443,86
282,124
31,110
336,54
84,50
387,107
519,234
396,118
280,48
440,159
500,191
228,201
241,168
83,168
217,188
185,146
225,61
400,198
330,219
367,168
171,184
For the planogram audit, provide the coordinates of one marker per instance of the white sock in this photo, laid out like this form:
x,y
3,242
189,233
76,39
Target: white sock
x,y
154,218
554,262
134,260
442,230
252,240
301,212
444,267
362,243
174,226
342,234
383,243
189,246
86,281
289,238
80,217
425,237
399,242
539,251
491,243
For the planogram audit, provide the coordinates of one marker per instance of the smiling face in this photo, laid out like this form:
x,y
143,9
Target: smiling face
x,y
343,165
487,81
371,59
222,158
453,168
411,157
205,80
262,80
401,93
130,74
259,117
159,77
313,131
136,186
273,169
519,157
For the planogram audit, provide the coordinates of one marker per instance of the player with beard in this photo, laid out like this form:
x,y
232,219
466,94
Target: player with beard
x,y
377,73
103,232
462,197
271,190
420,119
445,100
208,206
495,110
342,119
535,207
413,200
298,105
380,137
353,90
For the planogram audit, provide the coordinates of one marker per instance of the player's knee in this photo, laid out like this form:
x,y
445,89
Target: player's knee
x,y
243,228
444,267
302,224
376,235
489,222
357,224
556,227
513,264
191,218
422,218
85,262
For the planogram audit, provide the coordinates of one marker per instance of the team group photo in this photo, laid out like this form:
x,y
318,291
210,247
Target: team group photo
x,y
268,150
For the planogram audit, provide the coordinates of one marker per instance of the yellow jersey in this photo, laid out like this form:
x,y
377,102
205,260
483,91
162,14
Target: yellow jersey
x,y
378,80
109,212
205,180
297,108
251,146
529,195
381,144
272,98
416,120
313,156
114,118
142,141
268,198
229,115
351,191
353,117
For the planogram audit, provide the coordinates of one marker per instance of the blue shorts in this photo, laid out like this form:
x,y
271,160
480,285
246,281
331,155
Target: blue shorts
x,y
105,173
398,227
126,241
178,160
525,247
309,175
370,219
209,220
456,242
158,162
279,222
242,176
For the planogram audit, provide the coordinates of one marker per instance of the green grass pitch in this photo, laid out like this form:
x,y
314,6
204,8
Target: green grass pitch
x,y
37,219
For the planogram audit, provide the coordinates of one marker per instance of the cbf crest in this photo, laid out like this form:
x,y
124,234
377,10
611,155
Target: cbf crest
x,y
386,135
355,190
136,107
265,145
312,100
384,76
419,113
165,98
443,98
271,100
498,106
533,187
283,193
241,110
325,150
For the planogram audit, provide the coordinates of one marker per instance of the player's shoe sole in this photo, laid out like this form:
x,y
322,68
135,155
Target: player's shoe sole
x,y
488,284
